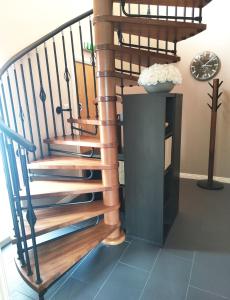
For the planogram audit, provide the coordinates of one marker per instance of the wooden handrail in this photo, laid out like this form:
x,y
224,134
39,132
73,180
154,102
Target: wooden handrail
x,y
20,140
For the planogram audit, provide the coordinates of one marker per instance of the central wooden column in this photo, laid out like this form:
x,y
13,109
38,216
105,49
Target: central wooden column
x,y
106,85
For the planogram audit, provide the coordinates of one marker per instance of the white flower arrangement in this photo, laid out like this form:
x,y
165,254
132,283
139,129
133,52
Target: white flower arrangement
x,y
160,73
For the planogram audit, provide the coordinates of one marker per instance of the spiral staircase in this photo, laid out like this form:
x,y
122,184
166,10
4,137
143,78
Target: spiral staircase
x,y
51,144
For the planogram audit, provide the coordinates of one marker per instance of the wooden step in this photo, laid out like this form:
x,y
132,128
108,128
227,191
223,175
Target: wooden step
x,y
53,188
58,256
140,57
125,79
69,163
181,3
77,140
90,122
49,219
158,29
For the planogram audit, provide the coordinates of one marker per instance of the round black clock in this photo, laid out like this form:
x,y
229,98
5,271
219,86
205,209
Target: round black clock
x,y
205,66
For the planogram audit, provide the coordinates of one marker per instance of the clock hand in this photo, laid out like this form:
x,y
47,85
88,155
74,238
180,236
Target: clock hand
x,y
209,60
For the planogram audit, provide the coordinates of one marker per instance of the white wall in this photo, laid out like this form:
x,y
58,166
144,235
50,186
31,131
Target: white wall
x,y
22,22
196,114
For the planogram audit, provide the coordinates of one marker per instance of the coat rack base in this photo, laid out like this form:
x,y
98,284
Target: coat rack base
x,y
210,185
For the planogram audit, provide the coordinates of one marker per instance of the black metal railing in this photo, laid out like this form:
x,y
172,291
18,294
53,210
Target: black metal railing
x,y
45,84
17,179
193,14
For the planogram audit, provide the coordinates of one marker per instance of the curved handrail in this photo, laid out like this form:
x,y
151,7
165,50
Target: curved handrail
x,y
17,137
40,41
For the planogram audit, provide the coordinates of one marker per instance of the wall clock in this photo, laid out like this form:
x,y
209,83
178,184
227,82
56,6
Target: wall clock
x,y
205,66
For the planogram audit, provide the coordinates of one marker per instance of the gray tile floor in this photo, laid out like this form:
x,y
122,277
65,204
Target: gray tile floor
x,y
193,265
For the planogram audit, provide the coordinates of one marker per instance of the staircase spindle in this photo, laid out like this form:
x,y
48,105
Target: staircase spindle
x,y
5,111
84,73
42,94
11,200
30,215
67,78
50,89
27,107
35,107
21,114
75,74
94,69
12,102
58,85
16,187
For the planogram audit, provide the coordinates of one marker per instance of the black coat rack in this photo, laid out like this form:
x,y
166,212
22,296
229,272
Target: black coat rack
x,y
211,184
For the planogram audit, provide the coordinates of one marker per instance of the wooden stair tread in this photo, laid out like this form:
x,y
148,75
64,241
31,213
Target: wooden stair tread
x,y
181,3
77,140
158,29
91,122
142,57
58,256
128,80
52,188
68,163
53,218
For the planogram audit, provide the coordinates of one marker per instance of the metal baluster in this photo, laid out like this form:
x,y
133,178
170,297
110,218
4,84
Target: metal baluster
x,y
59,87
11,200
200,14
27,107
50,90
15,180
21,114
1,109
149,13
93,63
12,102
42,95
193,11
139,39
35,107
130,42
67,79
158,11
84,74
31,218
5,104
166,42
75,74
176,10
185,12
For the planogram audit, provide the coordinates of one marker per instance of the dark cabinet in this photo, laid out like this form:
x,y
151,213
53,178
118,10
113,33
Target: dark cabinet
x,y
152,136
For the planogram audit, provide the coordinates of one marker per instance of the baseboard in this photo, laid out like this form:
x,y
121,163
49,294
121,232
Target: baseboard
x,y
198,177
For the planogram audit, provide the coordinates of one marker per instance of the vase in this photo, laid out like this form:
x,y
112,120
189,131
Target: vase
x,y
160,87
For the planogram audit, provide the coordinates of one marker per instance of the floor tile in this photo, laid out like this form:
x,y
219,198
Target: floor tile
x,y
211,272
125,283
73,290
19,296
140,254
16,283
169,279
98,265
196,294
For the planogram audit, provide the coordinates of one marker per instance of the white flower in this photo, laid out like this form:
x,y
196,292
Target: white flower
x,y
160,73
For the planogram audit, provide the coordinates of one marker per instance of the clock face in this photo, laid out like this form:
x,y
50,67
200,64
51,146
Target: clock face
x,y
205,66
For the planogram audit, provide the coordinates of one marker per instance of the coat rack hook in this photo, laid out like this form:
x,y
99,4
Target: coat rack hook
x,y
220,83
210,96
220,94
219,105
209,106
210,85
